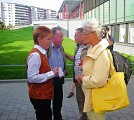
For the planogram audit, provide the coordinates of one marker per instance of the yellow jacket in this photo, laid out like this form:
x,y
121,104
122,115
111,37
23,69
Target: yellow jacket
x,y
95,67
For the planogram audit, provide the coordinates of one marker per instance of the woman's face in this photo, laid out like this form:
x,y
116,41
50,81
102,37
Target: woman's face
x,y
89,36
45,42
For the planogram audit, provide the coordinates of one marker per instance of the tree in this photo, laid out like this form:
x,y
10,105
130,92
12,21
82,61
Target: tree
x,y
10,26
2,26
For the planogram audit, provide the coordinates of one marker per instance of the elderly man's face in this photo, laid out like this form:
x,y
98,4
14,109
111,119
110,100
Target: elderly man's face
x,y
58,38
78,37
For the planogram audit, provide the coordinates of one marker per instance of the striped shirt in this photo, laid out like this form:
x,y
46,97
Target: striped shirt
x,y
77,60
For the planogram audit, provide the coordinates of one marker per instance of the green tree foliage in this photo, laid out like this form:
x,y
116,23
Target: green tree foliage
x,y
10,26
2,26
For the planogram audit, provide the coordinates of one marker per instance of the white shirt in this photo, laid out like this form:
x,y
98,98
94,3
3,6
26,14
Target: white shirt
x,y
34,63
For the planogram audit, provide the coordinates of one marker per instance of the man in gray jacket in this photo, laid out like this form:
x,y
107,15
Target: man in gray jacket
x,y
79,53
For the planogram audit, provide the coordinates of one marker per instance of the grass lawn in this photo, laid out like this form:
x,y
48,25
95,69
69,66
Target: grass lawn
x,y
14,48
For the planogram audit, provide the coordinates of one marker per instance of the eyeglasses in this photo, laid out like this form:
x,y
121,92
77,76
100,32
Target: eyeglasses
x,y
88,33
77,35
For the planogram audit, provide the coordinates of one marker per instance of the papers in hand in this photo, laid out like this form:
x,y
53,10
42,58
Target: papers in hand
x,y
61,73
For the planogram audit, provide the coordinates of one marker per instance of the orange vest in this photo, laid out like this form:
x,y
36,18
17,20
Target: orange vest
x,y
43,90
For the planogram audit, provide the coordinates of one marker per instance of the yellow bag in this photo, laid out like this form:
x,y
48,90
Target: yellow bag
x,y
113,95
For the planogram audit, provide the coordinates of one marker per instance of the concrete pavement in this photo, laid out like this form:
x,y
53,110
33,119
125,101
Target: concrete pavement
x,y
15,104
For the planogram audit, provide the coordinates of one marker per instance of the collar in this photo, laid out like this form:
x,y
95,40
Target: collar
x,y
82,46
52,45
43,51
95,51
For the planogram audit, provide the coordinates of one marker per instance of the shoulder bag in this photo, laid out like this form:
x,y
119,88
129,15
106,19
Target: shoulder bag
x,y
113,95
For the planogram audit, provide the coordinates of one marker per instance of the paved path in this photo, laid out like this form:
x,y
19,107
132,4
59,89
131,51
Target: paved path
x,y
15,104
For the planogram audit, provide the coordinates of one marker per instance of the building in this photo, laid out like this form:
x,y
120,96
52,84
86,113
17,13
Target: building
x,y
51,14
118,15
18,14
77,11
42,14
15,14
38,13
70,9
0,13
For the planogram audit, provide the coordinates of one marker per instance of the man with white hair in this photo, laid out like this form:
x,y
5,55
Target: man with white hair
x,y
80,50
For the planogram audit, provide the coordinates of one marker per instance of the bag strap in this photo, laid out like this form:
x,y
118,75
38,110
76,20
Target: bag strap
x,y
112,68
49,50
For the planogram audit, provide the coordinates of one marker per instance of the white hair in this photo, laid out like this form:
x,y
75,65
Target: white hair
x,y
93,25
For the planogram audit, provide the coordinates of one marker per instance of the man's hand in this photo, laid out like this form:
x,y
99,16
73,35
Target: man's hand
x,y
55,70
79,78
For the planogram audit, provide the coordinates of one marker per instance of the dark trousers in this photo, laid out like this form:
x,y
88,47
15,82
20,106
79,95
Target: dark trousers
x,y
58,98
80,100
43,108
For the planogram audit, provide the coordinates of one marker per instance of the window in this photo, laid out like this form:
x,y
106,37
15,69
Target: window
x,y
112,11
85,16
90,3
120,10
122,33
89,15
85,6
97,2
97,13
93,13
93,3
129,13
101,14
112,31
101,1
106,12
131,33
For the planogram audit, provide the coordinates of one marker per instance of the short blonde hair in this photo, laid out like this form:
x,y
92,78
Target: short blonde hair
x,y
93,25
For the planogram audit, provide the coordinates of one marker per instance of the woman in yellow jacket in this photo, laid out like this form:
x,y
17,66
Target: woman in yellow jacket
x,y
95,65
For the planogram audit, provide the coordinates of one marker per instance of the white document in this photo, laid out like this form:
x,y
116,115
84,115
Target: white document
x,y
61,73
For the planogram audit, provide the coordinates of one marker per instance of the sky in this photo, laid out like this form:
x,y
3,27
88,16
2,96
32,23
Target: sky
x,y
47,4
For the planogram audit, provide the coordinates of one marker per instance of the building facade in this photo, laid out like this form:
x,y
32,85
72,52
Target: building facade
x,y
71,9
18,14
38,13
118,15
15,14
0,13
51,14
42,14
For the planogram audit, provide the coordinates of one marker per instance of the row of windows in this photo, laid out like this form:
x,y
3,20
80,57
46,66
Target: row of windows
x,y
123,33
113,11
91,4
